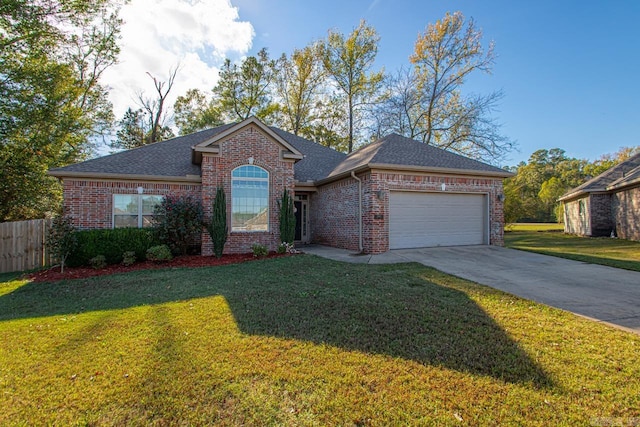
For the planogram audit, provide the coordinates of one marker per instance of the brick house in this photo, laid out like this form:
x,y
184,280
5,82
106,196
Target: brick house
x,y
393,193
608,203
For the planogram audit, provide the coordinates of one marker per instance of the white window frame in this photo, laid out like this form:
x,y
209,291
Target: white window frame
x,y
239,230
140,214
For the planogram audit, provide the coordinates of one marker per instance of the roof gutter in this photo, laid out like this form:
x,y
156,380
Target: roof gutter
x,y
360,246
409,168
448,171
92,176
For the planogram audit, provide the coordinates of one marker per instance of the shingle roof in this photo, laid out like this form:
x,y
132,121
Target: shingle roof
x,y
166,158
620,175
398,150
318,160
173,158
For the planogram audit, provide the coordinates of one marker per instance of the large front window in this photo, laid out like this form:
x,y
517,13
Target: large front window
x,y
134,210
249,199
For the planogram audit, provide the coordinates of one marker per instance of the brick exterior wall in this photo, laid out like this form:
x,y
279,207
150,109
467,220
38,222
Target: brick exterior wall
x,y
333,214
589,215
89,203
577,217
235,151
334,208
600,210
626,213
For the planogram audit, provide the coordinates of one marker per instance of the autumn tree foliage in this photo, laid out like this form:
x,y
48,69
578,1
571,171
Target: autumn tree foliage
x,y
427,102
349,60
53,107
532,194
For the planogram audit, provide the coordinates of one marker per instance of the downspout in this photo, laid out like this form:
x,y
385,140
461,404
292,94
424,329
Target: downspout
x,y
353,175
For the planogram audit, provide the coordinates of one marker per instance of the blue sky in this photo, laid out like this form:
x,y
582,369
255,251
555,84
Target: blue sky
x,y
569,69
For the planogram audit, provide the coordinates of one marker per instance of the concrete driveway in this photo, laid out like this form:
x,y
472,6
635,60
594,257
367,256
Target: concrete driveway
x,y
602,293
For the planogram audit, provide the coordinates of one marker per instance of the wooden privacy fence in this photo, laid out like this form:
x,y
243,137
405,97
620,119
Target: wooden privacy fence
x,y
22,245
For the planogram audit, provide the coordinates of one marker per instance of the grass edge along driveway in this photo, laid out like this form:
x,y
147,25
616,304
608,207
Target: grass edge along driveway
x,y
304,341
616,253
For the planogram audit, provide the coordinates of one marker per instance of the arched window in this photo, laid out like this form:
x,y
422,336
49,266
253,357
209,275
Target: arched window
x,y
249,199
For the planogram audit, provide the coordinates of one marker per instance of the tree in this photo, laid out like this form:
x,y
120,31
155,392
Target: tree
x,y
444,56
217,227
61,239
532,195
146,124
298,83
132,130
402,108
348,61
244,91
550,191
194,112
52,106
155,109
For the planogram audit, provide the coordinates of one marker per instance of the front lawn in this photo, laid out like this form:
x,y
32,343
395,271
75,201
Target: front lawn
x,y
596,250
534,226
304,341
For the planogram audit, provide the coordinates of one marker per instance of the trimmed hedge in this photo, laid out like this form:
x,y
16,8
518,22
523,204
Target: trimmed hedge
x,y
112,243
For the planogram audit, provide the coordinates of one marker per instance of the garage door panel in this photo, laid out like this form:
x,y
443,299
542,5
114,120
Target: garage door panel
x,y
436,219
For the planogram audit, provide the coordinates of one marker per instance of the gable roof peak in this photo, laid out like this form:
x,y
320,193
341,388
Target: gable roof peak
x,y
209,144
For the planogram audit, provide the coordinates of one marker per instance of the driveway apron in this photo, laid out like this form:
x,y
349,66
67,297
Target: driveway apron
x,y
602,293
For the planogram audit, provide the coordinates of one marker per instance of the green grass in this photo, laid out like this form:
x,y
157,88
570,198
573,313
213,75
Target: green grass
x,y
303,341
533,226
596,250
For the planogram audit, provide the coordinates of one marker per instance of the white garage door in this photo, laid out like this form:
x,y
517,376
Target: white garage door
x,y
419,220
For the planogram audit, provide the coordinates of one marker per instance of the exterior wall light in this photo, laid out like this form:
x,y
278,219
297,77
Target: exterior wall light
x,y
500,197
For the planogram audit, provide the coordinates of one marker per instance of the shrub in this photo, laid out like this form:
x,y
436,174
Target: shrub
x,y
98,262
217,227
128,258
259,250
286,248
178,222
160,253
287,218
112,243
62,239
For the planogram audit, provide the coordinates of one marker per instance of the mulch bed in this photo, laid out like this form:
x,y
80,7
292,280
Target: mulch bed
x,y
189,261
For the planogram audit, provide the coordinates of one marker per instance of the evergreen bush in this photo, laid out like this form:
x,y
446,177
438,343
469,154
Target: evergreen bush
x,y
287,218
112,243
128,258
217,227
160,253
98,262
259,250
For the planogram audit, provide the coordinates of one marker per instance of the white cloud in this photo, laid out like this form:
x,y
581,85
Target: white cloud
x,y
157,35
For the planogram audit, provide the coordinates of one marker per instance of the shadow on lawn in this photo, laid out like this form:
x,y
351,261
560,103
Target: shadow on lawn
x,y
388,310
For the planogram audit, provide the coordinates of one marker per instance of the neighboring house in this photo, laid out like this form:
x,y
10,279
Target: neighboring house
x,y
393,193
606,204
